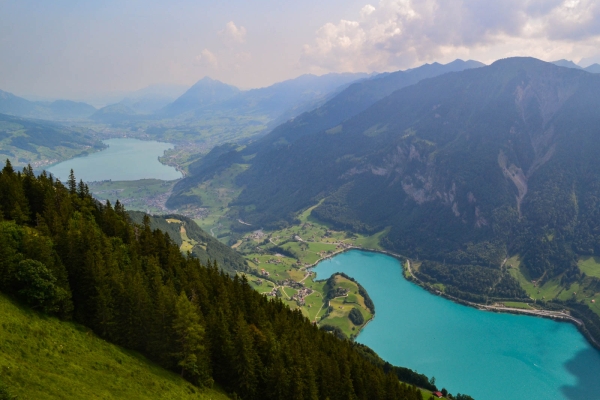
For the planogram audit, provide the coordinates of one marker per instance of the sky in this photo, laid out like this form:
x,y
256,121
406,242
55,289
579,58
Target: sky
x,y
78,49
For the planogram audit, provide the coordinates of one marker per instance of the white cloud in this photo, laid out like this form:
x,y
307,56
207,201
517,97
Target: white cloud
x,y
207,58
367,10
232,34
403,33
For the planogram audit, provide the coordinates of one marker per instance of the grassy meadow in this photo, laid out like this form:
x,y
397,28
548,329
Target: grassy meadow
x,y
583,290
42,357
148,195
288,254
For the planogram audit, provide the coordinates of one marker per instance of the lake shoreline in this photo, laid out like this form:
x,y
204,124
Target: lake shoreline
x,y
548,314
121,159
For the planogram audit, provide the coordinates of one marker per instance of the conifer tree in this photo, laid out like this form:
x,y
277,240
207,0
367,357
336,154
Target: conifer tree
x,y
128,283
72,183
190,337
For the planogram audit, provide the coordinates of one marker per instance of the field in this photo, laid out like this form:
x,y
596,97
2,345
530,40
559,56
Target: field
x,y
215,195
187,243
42,144
590,266
584,290
516,304
549,290
341,306
288,254
148,195
44,358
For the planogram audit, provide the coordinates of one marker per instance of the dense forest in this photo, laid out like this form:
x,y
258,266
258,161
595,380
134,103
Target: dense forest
x,y
472,279
62,252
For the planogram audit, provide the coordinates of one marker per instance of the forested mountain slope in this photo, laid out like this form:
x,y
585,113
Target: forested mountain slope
x,y
200,244
41,142
466,167
354,99
347,103
63,253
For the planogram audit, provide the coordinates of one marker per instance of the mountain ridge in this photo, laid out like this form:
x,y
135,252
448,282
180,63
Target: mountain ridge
x,y
426,148
346,103
56,110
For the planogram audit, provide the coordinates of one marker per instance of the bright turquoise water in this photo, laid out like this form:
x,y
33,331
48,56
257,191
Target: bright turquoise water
x,y
486,355
123,160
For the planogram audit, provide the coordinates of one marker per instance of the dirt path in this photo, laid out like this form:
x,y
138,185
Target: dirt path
x,y
317,314
284,292
305,276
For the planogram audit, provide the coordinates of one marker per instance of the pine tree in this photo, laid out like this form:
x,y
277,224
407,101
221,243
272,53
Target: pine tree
x,y
72,183
190,337
246,360
129,284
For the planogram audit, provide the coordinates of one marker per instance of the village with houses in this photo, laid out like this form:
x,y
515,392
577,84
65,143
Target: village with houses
x,y
280,265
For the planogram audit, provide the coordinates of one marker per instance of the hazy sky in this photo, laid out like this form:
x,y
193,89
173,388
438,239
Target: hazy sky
x,y
74,49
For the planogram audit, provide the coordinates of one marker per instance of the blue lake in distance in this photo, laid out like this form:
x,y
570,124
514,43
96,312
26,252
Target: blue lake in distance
x,y
487,355
123,160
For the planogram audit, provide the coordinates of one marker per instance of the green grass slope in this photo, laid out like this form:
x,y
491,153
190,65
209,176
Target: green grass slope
x,y
44,358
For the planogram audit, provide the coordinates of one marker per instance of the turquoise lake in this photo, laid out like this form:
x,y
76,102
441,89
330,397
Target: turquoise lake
x,y
483,354
123,160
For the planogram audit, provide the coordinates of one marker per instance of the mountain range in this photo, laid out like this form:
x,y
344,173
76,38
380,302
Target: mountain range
x,y
466,167
344,104
56,110
209,97
594,68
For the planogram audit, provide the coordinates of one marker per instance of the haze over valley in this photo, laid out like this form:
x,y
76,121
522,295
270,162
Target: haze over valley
x,y
334,200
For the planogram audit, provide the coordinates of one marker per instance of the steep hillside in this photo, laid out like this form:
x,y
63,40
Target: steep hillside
x,y
41,142
43,357
63,253
466,167
343,105
287,99
353,100
190,237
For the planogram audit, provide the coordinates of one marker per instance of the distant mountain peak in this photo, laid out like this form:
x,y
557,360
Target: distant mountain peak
x,y
204,92
594,68
208,79
566,64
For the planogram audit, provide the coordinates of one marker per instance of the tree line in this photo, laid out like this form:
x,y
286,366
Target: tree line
x,y
66,254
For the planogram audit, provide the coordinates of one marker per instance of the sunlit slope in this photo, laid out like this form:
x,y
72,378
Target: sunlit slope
x,y
44,358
